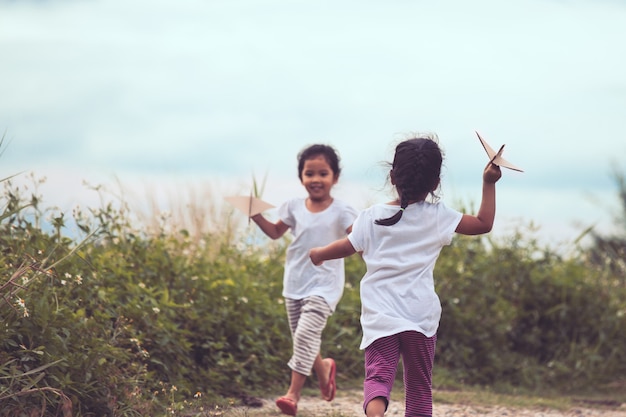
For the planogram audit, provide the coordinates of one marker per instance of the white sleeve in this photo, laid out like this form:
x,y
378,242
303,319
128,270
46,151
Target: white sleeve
x,y
285,213
359,231
447,221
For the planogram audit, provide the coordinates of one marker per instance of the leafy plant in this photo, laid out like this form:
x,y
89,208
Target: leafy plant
x,y
127,320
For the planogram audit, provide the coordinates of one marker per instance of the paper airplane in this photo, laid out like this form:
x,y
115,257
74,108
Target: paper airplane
x,y
496,157
249,205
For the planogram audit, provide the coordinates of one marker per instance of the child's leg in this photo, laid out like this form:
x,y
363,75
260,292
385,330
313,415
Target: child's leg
x,y
376,407
298,380
322,368
418,357
295,386
307,320
381,363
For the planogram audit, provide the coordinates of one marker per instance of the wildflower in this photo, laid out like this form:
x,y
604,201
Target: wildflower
x,y
142,285
68,275
63,282
79,279
244,299
156,310
21,304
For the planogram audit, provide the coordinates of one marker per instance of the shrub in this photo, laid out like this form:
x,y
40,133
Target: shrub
x,y
525,315
126,321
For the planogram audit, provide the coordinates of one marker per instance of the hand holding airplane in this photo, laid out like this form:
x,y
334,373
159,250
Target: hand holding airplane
x,y
249,205
496,157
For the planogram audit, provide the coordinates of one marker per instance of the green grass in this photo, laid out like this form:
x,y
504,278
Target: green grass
x,y
447,391
601,398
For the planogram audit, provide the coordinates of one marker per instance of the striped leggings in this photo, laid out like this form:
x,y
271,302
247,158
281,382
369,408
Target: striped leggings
x,y
307,319
418,356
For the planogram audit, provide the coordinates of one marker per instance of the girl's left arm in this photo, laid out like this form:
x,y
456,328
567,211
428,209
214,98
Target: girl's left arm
x,y
482,222
338,249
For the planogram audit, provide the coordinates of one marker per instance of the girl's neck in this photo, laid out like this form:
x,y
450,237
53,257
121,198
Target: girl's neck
x,y
419,199
315,206
396,202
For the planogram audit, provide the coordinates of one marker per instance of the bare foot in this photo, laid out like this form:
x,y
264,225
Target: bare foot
x,y
328,385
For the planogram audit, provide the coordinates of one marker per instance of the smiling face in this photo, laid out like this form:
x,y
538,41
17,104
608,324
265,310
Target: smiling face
x,y
318,178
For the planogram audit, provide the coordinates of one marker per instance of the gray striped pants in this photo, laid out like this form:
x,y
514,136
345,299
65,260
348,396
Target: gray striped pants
x,y
307,319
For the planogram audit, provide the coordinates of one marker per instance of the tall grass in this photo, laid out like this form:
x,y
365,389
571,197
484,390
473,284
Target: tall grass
x,y
154,312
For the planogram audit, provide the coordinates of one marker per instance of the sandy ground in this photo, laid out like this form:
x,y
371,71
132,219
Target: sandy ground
x,y
348,404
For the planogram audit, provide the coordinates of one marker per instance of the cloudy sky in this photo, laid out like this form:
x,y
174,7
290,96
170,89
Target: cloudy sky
x,y
174,93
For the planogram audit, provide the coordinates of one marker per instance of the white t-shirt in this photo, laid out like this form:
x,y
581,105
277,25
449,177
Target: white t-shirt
x,y
301,278
398,290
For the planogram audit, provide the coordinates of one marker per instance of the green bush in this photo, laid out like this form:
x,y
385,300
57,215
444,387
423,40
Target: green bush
x,y
523,315
126,321
130,313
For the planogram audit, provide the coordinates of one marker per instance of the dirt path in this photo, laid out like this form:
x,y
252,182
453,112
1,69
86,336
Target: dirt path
x,y
348,404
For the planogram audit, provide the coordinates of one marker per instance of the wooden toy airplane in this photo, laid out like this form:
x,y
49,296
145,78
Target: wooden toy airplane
x,y
249,205
496,157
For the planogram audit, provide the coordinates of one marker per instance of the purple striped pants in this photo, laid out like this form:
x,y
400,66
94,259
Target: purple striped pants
x,y
381,362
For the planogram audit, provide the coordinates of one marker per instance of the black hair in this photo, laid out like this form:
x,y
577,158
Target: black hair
x,y
328,152
415,172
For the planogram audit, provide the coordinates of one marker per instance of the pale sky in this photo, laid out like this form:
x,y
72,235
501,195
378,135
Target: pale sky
x,y
214,91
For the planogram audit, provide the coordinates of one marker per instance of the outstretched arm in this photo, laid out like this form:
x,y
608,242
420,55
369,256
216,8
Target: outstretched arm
x,y
338,249
272,230
483,221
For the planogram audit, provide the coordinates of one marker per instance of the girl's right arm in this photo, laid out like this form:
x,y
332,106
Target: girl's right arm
x,y
338,249
272,230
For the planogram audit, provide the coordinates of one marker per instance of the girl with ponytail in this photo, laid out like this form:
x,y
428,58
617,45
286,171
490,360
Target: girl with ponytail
x,y
400,242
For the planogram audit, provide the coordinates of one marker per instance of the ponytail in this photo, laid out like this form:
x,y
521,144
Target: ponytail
x,y
390,221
